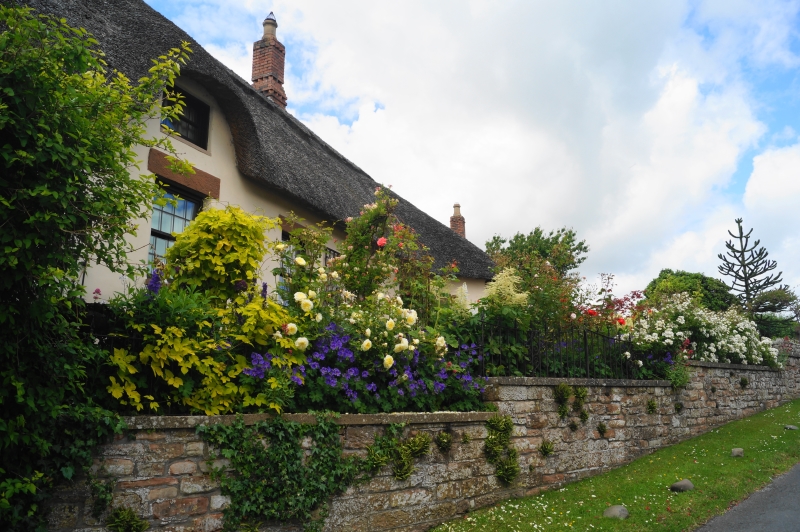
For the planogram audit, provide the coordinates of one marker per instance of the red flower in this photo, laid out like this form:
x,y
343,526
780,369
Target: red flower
x,y
621,321
381,242
591,312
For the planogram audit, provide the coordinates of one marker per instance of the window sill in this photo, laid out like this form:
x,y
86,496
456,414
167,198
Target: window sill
x,y
184,141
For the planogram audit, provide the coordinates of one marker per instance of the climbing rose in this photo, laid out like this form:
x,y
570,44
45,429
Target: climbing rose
x,y
306,305
291,329
300,261
366,345
301,343
621,321
381,242
388,361
591,312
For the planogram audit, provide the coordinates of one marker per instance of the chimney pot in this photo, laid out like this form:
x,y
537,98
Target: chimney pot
x,y
457,222
270,26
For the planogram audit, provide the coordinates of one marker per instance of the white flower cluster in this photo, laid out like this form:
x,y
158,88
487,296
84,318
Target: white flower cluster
x,y
714,336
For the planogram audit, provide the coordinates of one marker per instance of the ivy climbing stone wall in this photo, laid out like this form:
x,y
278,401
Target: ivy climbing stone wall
x,y
159,468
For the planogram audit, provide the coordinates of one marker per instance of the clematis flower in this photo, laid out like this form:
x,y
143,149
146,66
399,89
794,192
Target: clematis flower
x,y
301,343
381,242
388,361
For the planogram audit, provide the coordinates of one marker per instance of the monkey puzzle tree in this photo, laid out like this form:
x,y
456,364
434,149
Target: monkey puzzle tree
x,y
760,292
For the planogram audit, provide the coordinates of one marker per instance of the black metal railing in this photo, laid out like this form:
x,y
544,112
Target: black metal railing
x,y
554,351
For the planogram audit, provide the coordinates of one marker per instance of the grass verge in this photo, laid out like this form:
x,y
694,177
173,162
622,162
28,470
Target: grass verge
x,y
643,485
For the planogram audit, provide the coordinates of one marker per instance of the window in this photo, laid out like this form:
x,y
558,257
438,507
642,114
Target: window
x,y
193,123
330,254
167,220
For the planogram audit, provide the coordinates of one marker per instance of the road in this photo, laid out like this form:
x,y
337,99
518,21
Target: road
x,y
776,508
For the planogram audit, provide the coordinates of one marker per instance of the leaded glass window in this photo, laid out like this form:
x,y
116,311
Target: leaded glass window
x,y
168,220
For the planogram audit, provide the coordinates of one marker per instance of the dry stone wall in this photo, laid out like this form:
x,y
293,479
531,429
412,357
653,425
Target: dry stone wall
x,y
160,467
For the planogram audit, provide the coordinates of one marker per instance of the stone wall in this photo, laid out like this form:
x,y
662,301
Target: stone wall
x,y
160,467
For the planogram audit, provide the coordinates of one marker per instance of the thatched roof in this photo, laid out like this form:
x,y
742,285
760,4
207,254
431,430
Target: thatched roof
x,y
272,147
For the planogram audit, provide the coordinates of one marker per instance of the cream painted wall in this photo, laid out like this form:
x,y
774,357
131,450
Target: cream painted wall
x,y
218,160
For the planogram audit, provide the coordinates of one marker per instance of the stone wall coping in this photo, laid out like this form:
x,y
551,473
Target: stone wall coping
x,y
550,381
411,418
720,365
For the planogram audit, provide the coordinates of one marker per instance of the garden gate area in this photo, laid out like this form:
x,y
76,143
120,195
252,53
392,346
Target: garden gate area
x,y
160,467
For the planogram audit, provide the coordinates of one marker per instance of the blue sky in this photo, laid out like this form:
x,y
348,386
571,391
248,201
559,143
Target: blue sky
x,y
647,127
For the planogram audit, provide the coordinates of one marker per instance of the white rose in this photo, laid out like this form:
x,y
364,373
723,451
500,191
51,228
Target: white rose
x,y
379,296
366,345
277,334
441,343
312,294
390,324
306,305
300,261
280,247
411,317
291,329
299,296
402,346
318,317
367,333
334,275
323,276
388,361
399,301
301,343
321,271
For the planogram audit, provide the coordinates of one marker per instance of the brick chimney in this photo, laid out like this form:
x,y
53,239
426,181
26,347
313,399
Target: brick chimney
x,y
268,59
457,221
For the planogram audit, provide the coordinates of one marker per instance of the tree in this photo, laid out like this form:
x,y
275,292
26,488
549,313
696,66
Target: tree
x,y
707,291
761,294
67,131
561,248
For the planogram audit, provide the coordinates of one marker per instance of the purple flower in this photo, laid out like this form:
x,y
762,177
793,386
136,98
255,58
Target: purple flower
x,y
313,365
240,286
400,391
318,356
264,290
438,387
372,387
260,366
297,380
154,282
364,374
330,381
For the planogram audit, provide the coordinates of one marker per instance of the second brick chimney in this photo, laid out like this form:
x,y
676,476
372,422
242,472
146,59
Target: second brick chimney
x,y
269,56
457,221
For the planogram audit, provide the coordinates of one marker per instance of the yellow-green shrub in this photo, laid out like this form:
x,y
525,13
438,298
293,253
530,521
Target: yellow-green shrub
x,y
220,248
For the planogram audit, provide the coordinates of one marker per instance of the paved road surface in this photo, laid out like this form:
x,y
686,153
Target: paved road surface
x,y
775,508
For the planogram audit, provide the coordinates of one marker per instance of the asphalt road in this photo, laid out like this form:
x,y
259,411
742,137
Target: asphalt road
x,y
776,508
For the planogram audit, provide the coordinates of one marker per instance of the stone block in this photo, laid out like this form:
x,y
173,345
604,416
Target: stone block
x,y
148,436
175,507
209,523
62,516
413,497
185,467
169,492
221,463
150,469
361,437
147,483
164,451
200,484
195,448
115,467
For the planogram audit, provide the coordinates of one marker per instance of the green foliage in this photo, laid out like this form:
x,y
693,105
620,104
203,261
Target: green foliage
x,y
743,382
580,398
652,406
279,481
573,426
678,375
68,128
678,408
444,441
219,249
713,389
102,493
546,448
388,448
602,429
498,449
561,395
466,438
561,248
584,416
707,291
125,520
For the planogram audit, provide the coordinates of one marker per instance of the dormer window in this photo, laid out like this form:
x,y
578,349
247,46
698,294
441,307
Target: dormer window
x,y
193,123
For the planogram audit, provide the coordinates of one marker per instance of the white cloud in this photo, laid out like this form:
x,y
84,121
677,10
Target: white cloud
x,y
624,120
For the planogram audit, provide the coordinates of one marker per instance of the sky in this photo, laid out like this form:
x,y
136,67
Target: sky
x,y
647,127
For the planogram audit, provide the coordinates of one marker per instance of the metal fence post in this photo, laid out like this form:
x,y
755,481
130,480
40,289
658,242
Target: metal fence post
x,y
586,351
